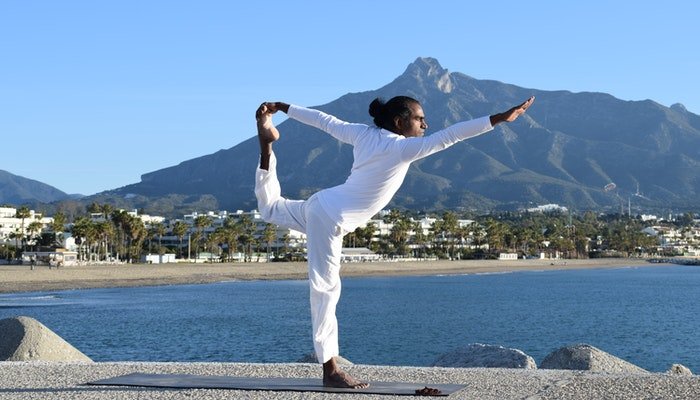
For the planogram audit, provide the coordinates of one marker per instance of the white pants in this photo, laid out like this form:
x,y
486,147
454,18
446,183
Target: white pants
x,y
324,245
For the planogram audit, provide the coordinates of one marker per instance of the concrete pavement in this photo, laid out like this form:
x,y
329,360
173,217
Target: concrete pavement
x,y
52,380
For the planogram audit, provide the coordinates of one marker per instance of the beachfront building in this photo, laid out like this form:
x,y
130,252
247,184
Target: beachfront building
x,y
507,256
358,254
13,229
158,258
545,208
251,232
147,219
58,258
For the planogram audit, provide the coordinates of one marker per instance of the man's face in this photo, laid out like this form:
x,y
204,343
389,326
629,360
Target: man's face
x,y
414,125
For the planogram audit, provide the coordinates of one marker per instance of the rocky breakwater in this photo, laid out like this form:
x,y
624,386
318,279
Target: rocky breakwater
x,y
580,357
26,339
478,355
584,357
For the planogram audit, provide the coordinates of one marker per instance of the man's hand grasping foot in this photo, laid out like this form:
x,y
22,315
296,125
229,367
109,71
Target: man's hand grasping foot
x,y
267,133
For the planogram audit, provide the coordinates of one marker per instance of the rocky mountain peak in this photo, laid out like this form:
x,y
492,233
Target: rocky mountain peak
x,y
429,70
679,107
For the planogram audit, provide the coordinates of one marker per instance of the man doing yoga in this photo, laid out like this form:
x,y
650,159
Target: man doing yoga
x,y
382,155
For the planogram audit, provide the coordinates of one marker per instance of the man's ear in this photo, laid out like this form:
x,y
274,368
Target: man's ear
x,y
398,124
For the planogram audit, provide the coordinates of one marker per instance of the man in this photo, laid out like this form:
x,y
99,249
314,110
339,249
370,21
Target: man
x,y
382,155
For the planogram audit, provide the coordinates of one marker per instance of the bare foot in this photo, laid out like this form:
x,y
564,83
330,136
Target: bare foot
x,y
267,132
335,377
341,379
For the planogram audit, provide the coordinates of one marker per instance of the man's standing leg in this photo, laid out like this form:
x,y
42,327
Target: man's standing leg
x,y
324,246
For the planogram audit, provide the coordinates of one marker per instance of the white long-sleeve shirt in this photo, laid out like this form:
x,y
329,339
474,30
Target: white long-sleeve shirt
x,y
381,161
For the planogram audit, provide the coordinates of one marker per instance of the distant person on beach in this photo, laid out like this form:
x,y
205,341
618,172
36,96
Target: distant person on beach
x,y
382,155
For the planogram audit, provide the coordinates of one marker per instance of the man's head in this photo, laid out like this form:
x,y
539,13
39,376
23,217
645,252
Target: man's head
x,y
402,115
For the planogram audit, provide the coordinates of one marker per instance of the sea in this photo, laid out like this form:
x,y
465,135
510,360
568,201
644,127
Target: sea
x,y
647,315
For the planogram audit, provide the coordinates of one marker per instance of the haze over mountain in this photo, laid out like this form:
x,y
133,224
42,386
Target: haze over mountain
x,y
565,150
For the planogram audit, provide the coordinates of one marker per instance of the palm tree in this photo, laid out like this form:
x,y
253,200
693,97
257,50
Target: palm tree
x,y
269,235
94,208
194,238
120,218
366,234
286,239
496,232
246,237
444,231
200,223
214,242
180,229
136,234
398,234
478,234
106,210
159,229
57,226
33,229
16,236
22,213
81,232
420,239
102,231
232,230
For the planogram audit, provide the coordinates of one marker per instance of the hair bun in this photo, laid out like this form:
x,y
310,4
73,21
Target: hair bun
x,y
376,107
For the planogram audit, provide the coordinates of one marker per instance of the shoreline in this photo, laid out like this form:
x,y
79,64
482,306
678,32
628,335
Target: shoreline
x,y
20,278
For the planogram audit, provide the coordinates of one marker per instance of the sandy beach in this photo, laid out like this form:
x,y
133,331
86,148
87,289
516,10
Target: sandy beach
x,y
21,278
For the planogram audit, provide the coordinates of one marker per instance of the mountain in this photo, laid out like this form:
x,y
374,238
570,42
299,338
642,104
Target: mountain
x,y
17,190
565,150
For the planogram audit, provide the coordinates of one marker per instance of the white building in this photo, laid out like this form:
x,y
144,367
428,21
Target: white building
x,y
9,224
286,240
548,208
158,258
358,254
59,258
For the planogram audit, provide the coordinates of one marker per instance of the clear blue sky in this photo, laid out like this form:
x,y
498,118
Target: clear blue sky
x,y
95,93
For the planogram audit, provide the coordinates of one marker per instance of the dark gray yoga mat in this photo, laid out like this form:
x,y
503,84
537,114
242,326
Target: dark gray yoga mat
x,y
187,381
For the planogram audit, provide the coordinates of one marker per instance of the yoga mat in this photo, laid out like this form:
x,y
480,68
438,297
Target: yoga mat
x,y
187,381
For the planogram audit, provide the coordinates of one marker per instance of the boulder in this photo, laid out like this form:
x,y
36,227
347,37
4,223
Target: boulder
x,y
479,355
26,339
310,358
680,370
584,357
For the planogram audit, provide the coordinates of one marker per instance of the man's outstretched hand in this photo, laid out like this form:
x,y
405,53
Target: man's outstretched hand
x,y
271,107
512,114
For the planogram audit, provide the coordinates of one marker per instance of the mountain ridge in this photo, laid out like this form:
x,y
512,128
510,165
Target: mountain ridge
x,y
18,190
564,150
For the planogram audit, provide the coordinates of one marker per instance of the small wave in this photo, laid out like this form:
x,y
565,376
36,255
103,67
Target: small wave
x,y
494,273
43,300
47,297
477,273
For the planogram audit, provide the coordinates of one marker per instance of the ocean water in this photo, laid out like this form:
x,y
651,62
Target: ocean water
x,y
648,316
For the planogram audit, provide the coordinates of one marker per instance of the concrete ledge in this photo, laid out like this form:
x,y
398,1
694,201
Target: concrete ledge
x,y
39,380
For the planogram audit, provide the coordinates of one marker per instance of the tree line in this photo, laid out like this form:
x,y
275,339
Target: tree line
x,y
121,236
526,233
